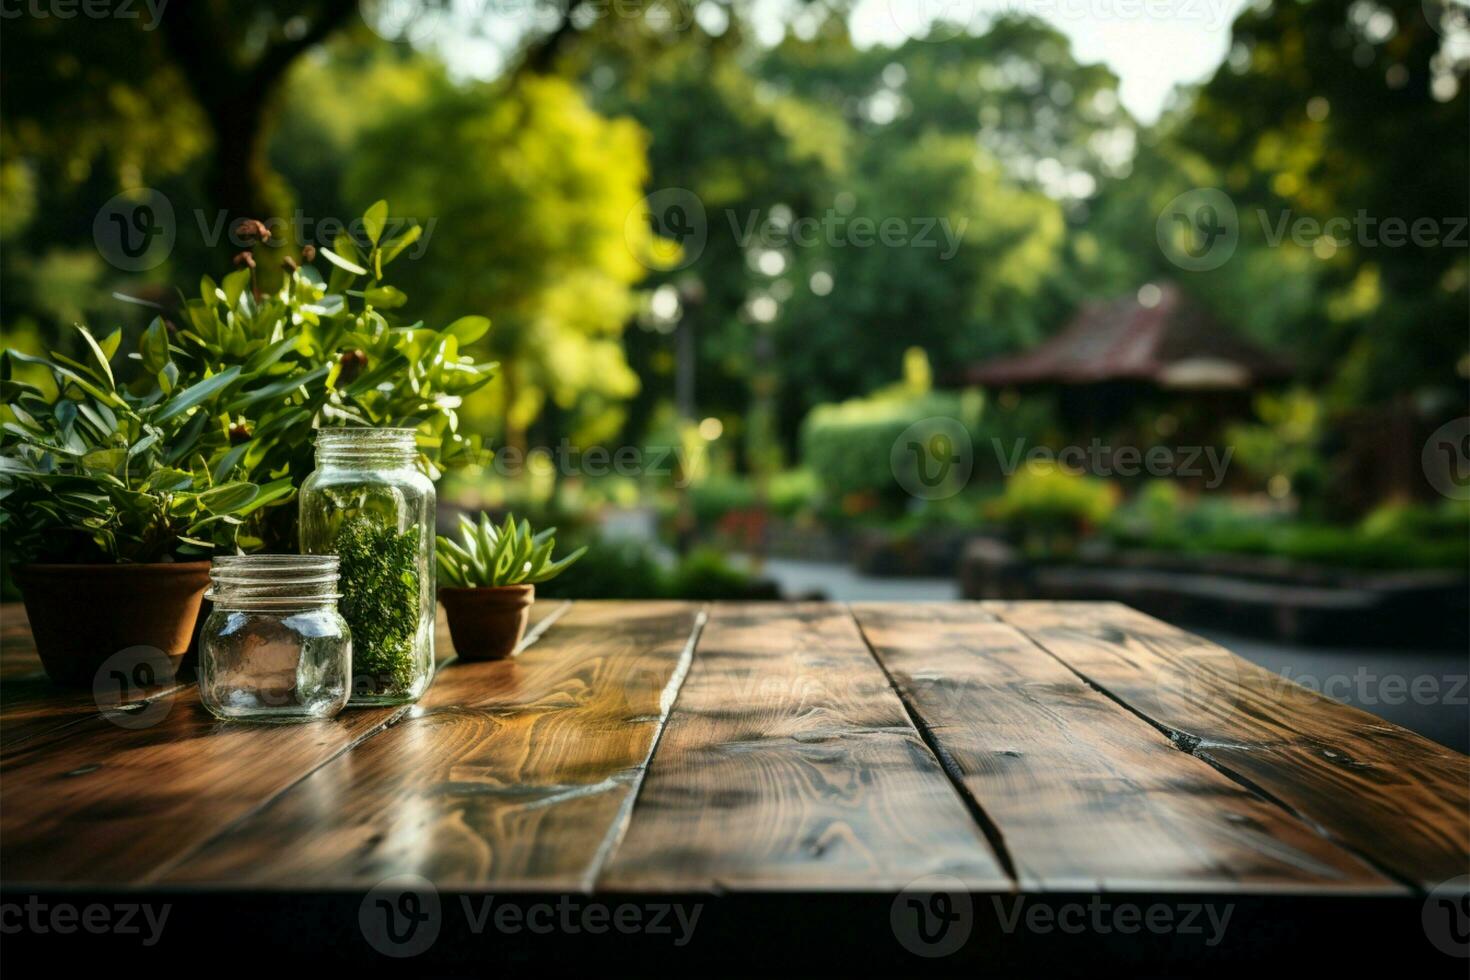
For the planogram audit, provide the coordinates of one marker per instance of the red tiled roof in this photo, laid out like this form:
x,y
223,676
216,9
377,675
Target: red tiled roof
x,y
1173,344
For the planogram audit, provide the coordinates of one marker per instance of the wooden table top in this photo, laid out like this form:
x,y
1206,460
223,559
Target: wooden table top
x,y
1018,748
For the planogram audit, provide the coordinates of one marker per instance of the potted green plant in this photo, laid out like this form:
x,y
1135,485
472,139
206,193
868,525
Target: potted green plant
x,y
488,582
109,510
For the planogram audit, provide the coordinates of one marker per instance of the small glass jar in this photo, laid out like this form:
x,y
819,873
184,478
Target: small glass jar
x,y
274,648
370,505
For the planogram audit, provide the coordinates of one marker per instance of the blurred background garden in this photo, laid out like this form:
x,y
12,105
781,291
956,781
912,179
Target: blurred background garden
x,y
1164,302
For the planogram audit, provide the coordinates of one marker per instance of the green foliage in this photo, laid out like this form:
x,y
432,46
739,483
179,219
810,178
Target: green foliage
x,y
95,472
1396,536
379,563
633,570
317,352
488,557
533,192
1286,444
1050,506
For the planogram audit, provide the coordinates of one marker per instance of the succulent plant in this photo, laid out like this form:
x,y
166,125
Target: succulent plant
x,y
487,556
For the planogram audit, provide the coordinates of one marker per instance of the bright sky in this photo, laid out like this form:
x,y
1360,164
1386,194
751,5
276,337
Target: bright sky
x,y
1151,45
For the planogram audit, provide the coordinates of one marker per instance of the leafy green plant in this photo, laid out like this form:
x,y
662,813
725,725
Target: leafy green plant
x,y
1049,507
94,472
315,352
487,556
382,605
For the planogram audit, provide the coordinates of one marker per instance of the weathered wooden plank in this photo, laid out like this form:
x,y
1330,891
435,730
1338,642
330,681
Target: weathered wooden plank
x,y
511,774
30,705
789,762
112,797
1388,794
1086,795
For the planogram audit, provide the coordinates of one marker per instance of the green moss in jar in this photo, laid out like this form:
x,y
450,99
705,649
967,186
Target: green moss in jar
x,y
380,600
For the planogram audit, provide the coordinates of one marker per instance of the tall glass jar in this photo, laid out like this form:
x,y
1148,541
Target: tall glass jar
x,y
274,647
369,504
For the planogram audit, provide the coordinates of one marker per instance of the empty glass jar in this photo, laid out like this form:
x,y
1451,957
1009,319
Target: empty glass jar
x,y
368,504
274,648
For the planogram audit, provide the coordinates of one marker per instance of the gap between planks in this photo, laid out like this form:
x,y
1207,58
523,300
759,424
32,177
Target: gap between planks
x,y
535,633
993,835
667,701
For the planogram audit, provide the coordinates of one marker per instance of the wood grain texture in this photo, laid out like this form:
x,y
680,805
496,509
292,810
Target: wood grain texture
x,y
88,799
1386,793
511,774
30,705
1086,795
789,762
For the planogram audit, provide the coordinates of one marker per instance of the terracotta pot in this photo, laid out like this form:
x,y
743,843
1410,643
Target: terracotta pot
x,y
82,614
487,624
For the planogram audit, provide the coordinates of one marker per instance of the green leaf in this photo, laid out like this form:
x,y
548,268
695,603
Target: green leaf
x,y
196,394
374,220
385,297
395,248
345,265
468,329
228,462
154,346
98,354
234,286
228,498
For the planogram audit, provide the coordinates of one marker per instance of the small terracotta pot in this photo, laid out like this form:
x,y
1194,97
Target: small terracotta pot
x,y
488,624
82,614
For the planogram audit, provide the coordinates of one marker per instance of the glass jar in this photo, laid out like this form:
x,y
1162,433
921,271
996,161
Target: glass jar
x,y
274,647
368,504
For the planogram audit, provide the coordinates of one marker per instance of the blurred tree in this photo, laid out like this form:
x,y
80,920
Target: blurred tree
x,y
1354,113
529,191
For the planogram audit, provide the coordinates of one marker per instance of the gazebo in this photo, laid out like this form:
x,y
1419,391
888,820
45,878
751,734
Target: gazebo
x,y
1141,351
